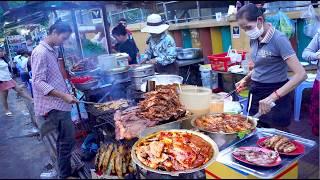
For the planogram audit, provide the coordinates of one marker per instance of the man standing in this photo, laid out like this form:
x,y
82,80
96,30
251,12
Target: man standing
x,y
52,101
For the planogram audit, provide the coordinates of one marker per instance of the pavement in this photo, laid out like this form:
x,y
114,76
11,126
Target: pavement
x,y
23,155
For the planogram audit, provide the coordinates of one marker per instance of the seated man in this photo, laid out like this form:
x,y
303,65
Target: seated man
x,y
124,44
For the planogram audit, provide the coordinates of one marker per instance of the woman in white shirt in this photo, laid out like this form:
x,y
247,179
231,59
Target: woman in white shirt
x,y
6,83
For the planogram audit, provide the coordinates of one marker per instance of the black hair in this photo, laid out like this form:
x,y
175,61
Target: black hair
x,y
250,12
123,19
119,30
60,27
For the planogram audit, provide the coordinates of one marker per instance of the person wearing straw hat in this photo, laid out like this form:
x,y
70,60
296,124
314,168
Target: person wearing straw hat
x,y
161,50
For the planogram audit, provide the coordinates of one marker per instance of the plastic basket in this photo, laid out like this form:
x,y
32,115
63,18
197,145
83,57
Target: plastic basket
x,y
219,62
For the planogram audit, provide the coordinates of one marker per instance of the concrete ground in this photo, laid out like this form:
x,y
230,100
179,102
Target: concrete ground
x,y
22,156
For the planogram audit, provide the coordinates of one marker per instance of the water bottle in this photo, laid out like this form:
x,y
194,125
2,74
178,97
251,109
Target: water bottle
x,y
245,65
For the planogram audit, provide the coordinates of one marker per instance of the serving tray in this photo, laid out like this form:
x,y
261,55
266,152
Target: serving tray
x,y
225,156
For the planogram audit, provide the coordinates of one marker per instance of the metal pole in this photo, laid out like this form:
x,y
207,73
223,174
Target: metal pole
x,y
198,9
76,31
106,25
165,11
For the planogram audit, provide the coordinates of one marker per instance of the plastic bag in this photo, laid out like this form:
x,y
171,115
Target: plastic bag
x,y
282,23
312,22
234,56
285,24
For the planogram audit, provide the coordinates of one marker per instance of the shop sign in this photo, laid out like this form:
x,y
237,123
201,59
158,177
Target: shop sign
x,y
235,32
96,16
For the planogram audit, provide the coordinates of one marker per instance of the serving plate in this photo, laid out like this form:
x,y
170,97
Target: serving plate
x,y
275,163
299,147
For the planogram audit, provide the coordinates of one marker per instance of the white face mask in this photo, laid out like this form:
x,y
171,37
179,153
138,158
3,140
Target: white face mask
x,y
255,33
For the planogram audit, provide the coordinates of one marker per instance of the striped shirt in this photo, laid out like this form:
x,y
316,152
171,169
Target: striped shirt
x,y
46,76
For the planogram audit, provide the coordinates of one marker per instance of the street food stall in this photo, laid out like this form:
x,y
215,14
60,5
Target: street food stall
x,y
158,127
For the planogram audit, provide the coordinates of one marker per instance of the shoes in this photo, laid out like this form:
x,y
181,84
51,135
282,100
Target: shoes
x,y
9,114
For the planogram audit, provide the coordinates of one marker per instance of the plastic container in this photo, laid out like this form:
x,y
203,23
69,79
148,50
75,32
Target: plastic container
x,y
217,106
206,76
195,99
107,62
220,62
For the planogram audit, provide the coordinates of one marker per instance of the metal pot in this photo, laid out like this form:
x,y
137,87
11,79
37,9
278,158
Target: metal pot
x,y
224,139
137,82
177,173
142,70
118,75
188,53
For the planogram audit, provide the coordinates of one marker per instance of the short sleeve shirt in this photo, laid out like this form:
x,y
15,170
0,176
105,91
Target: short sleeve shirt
x,y
269,57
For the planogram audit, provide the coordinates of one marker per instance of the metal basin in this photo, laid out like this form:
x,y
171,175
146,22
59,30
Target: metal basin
x,y
188,53
221,138
177,173
161,80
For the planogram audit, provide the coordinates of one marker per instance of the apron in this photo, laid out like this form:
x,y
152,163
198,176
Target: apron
x,y
280,115
172,68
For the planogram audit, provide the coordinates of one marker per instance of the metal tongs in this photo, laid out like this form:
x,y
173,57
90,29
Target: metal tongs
x,y
259,114
92,103
230,93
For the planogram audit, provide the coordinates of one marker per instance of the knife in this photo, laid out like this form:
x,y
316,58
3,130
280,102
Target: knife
x,y
259,114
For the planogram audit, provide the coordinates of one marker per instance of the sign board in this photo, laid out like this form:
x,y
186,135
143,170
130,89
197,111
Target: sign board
x,y
96,16
235,32
218,16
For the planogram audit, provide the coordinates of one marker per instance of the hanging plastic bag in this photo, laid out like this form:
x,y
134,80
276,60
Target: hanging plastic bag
x,y
285,24
234,56
274,20
312,22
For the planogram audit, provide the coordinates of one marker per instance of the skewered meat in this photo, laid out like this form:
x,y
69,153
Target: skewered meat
x,y
279,143
173,151
106,157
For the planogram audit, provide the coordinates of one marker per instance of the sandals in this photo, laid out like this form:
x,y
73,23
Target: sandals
x,y
9,114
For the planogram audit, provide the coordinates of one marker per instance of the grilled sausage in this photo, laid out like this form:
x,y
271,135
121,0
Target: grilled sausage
x,y
106,158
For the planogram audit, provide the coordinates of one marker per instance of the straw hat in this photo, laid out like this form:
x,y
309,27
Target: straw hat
x,y
155,24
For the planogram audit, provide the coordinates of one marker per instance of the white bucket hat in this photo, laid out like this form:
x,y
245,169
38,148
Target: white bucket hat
x,y
155,24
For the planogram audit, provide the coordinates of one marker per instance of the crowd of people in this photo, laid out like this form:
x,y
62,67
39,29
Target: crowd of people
x,y
268,82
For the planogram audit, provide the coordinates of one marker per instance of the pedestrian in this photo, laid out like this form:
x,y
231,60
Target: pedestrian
x,y
161,49
272,54
124,44
123,21
22,65
312,53
7,83
52,101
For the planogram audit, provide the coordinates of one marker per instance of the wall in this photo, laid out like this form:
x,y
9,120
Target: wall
x,y
204,33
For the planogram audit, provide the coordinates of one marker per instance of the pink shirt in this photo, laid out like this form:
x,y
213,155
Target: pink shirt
x,y
46,76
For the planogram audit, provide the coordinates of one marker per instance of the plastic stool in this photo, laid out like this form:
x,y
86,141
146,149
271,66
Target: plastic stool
x,y
298,98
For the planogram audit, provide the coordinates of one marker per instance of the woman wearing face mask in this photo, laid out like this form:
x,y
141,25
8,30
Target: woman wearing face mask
x,y
161,49
272,54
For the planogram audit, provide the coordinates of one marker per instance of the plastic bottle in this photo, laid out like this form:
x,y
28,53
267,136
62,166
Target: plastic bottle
x,y
245,65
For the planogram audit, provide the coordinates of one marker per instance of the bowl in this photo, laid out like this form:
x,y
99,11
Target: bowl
x,y
87,85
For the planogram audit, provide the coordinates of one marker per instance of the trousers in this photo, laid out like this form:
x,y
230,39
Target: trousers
x,y
62,123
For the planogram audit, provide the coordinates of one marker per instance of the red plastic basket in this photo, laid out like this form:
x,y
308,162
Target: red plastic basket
x,y
219,62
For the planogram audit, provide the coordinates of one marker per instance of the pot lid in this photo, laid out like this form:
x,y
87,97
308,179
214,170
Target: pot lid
x,y
140,67
118,70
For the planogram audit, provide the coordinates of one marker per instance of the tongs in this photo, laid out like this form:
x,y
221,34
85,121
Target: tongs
x,y
92,103
230,93
258,114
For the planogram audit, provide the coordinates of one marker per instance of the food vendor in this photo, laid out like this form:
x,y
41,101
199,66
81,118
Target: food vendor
x,y
272,54
161,49
124,44
312,53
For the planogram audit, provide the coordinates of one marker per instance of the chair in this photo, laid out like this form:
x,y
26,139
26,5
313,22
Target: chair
x,y
298,98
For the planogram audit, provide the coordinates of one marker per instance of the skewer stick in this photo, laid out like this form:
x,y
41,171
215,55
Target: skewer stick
x,y
180,87
249,106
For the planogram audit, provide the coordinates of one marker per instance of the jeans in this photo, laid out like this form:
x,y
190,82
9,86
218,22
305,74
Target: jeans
x,y
61,121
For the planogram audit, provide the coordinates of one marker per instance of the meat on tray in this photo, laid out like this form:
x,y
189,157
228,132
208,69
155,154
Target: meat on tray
x,y
257,156
279,143
160,105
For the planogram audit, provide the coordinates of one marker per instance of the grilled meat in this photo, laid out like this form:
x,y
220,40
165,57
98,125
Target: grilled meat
x,y
257,156
279,143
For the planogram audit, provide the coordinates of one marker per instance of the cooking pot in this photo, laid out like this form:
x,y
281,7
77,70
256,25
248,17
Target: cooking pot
x,y
161,80
118,75
141,70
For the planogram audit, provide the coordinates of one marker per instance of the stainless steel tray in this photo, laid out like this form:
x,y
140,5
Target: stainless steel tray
x,y
226,158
